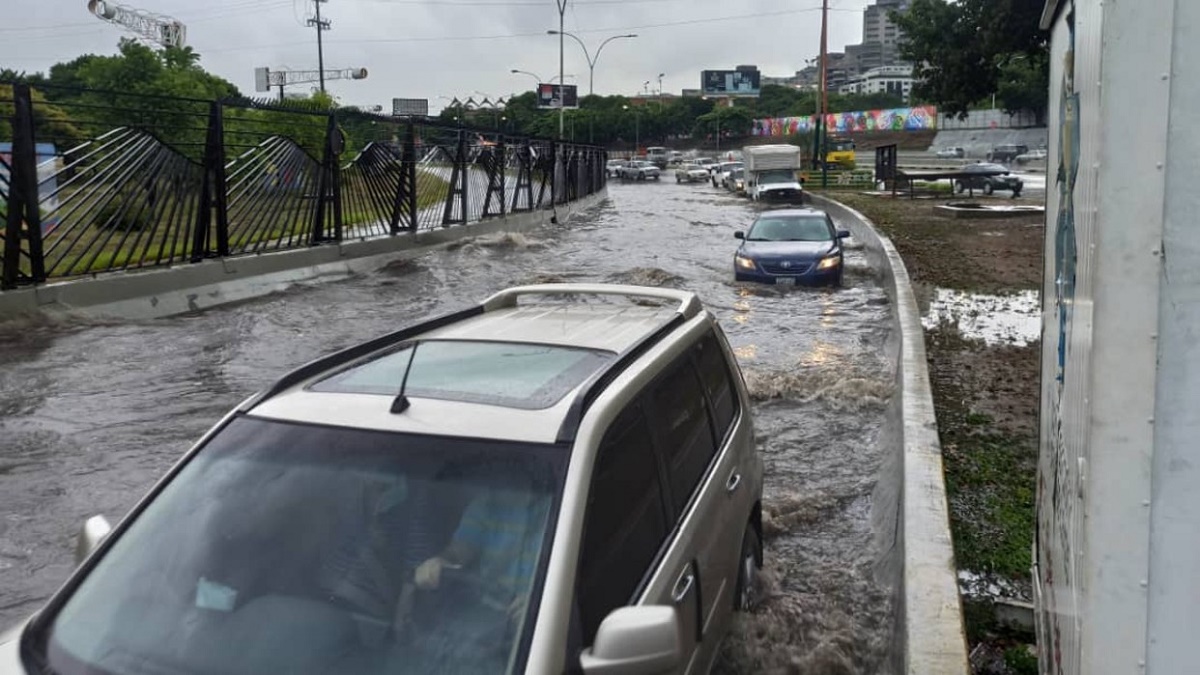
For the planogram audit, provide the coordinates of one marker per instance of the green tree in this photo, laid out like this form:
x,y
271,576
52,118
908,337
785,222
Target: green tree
x,y
963,50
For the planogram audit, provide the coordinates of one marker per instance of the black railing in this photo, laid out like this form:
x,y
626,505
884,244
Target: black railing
x,y
102,181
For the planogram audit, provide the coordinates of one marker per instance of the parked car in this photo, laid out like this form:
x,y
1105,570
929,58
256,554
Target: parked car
x,y
991,177
791,246
613,165
1006,153
719,173
953,152
691,172
1036,155
639,170
527,485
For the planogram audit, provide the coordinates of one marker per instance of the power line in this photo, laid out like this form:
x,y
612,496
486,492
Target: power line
x,y
321,25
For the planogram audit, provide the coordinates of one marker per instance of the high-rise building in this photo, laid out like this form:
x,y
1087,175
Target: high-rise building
x,y
880,47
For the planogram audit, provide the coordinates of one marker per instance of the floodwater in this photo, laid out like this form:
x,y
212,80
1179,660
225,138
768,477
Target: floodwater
x,y
91,414
1013,319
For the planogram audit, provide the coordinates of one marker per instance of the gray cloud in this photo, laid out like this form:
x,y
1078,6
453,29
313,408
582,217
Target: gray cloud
x,y
414,48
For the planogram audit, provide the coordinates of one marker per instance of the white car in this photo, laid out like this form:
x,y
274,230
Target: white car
x,y
720,173
639,170
1038,155
691,172
951,153
531,485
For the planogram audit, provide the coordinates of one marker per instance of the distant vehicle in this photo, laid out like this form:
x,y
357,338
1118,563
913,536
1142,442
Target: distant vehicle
x,y
1038,155
735,181
710,163
1006,153
989,183
691,172
791,246
952,152
613,165
433,499
658,156
839,151
718,174
638,170
675,157
771,172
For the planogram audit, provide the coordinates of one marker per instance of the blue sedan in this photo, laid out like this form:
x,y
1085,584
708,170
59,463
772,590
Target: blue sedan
x,y
792,246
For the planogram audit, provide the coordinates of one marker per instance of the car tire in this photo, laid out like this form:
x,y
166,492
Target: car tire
x,y
678,180
749,563
641,175
988,189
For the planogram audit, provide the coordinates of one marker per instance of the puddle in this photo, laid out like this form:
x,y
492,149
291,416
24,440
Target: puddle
x,y
995,319
984,586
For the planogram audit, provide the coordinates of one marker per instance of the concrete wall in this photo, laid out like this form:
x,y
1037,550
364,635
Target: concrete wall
x,y
193,287
979,142
910,512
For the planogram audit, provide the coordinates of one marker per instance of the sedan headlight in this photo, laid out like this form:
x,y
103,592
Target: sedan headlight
x,y
744,263
829,262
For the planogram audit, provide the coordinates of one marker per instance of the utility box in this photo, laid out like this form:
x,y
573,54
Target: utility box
x,y
1117,553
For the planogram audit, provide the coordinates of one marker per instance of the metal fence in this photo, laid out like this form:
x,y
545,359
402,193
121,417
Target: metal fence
x,y
100,180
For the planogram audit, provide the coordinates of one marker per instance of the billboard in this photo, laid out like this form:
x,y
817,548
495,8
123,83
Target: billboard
x,y
729,82
48,165
548,96
919,118
410,107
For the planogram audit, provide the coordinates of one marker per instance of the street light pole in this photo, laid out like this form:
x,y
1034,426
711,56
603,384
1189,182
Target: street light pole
x,y
591,60
562,8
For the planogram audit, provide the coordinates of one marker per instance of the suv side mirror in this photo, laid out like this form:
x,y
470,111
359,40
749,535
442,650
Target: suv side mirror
x,y
739,235
635,641
90,536
842,234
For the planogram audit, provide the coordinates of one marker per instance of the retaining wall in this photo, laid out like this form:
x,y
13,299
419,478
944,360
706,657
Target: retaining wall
x,y
194,287
910,512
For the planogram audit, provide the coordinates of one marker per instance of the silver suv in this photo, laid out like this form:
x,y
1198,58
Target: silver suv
x,y
538,486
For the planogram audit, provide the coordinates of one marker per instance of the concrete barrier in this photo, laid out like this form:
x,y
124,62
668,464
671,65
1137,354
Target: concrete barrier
x,y
911,515
157,293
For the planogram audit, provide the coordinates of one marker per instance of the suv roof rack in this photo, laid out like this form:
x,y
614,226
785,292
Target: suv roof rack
x,y
689,306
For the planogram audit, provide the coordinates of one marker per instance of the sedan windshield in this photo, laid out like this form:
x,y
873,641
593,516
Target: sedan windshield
x,y
790,228
288,548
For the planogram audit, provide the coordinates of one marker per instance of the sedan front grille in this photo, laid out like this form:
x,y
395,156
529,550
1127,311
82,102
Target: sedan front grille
x,y
793,267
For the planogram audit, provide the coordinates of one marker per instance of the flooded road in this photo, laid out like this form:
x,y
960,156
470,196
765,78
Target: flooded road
x,y
91,415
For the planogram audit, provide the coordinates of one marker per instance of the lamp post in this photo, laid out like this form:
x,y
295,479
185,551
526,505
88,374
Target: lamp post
x,y
636,129
591,60
535,76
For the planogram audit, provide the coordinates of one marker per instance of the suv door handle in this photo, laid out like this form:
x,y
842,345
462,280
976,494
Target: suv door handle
x,y
683,585
735,480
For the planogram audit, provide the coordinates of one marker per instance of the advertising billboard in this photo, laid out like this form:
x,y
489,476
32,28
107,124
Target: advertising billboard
x,y
729,82
410,107
548,95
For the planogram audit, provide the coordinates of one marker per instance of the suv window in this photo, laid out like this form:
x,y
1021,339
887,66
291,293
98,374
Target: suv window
x,y
626,522
714,371
677,407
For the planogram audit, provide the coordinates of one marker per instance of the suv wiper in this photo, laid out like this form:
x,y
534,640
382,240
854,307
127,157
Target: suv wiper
x,y
758,239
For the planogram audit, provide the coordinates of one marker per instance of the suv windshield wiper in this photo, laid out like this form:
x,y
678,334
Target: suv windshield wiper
x,y
758,239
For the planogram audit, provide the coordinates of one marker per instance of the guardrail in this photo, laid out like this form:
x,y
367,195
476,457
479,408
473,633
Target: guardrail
x,y
99,181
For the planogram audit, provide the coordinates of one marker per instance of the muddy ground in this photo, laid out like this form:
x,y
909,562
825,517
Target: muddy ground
x,y
986,398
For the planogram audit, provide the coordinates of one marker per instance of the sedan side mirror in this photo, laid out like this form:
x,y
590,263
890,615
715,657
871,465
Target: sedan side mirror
x,y
640,640
842,234
739,235
90,537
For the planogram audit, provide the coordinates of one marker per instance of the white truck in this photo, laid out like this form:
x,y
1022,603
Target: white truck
x,y
1117,553
771,172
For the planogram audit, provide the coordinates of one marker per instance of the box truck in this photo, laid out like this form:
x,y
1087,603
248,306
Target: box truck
x,y
1117,552
770,172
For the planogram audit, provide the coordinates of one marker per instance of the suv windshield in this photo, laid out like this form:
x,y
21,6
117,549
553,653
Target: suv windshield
x,y
790,228
777,176
306,549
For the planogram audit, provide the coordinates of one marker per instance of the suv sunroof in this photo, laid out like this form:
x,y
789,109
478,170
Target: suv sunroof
x,y
509,374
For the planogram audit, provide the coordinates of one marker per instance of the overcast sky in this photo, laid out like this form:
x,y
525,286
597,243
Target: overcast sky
x,y
447,48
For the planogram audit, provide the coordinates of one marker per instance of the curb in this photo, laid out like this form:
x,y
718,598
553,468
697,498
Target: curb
x,y
930,629
156,293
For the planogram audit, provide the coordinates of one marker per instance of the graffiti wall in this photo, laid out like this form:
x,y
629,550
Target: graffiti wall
x,y
920,118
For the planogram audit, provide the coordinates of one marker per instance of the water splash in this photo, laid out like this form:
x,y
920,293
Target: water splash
x,y
648,276
840,388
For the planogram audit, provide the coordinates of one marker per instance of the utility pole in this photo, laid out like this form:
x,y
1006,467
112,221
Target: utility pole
x,y
322,26
821,131
562,8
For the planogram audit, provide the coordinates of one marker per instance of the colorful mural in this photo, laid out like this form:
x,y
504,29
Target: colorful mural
x,y
920,118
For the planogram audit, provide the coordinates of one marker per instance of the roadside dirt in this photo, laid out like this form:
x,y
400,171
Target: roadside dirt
x,y
986,400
